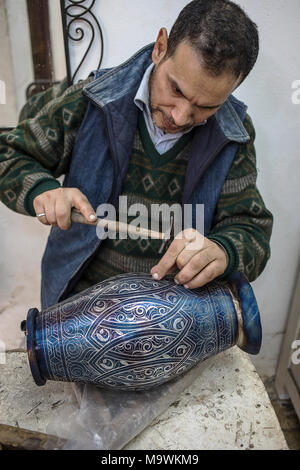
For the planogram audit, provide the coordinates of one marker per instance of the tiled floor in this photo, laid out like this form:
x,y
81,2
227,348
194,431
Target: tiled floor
x,y
286,415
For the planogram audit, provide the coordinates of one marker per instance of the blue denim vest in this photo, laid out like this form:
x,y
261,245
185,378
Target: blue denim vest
x,y
100,158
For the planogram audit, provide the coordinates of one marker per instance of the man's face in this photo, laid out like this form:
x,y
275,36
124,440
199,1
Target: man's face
x,y
182,93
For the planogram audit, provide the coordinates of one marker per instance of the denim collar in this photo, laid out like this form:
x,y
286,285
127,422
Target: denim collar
x,y
142,98
125,79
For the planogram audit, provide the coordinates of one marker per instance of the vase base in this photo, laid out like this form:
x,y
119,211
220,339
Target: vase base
x,y
28,326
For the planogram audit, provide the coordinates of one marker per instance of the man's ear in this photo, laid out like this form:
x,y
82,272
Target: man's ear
x,y
160,47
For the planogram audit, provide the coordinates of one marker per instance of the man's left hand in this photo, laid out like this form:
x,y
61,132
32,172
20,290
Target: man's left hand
x,y
199,259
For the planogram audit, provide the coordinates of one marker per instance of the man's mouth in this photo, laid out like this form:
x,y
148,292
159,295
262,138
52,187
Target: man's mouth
x,y
168,125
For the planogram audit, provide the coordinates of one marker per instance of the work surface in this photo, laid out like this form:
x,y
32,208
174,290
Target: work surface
x,y
226,407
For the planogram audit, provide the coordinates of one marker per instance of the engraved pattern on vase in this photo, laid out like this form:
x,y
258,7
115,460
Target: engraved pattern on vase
x,y
132,332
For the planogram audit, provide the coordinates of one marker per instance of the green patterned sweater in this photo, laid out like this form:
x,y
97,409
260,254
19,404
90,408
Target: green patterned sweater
x,y
39,150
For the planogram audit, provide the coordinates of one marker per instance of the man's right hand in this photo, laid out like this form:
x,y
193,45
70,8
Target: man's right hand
x,y
57,205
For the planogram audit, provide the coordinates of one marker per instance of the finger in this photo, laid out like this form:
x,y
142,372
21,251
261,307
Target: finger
x,y
80,202
188,253
63,213
168,261
50,212
172,270
196,264
40,209
196,240
184,257
210,272
180,242
188,234
43,219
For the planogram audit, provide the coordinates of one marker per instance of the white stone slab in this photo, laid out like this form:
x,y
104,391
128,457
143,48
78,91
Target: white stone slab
x,y
227,407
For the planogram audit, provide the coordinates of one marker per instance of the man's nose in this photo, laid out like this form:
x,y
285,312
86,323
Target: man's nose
x,y
183,114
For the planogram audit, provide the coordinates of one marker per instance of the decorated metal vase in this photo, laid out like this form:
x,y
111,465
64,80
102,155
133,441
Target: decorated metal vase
x,y
131,332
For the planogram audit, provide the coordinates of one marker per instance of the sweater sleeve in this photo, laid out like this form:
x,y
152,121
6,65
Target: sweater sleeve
x,y
38,150
242,224
37,101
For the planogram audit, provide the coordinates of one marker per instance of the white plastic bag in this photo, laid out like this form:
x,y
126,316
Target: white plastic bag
x,y
108,420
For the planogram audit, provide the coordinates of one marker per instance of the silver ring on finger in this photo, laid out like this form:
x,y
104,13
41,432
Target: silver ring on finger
x,y
42,214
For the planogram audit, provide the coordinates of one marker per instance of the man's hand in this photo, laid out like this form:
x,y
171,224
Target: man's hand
x,y
57,205
199,260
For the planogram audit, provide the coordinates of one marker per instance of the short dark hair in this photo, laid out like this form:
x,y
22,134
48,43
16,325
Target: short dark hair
x,y
220,32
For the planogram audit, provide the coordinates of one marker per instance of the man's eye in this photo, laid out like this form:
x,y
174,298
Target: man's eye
x,y
177,90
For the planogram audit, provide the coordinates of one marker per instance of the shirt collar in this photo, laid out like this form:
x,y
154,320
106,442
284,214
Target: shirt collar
x,y
142,95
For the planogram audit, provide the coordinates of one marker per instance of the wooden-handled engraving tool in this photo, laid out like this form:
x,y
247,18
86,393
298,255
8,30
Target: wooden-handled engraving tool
x,y
120,227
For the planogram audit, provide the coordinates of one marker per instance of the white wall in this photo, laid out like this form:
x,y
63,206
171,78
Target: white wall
x,y
20,42
18,37
57,40
127,26
8,105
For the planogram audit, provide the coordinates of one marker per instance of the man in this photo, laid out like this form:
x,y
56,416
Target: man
x,y
161,127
